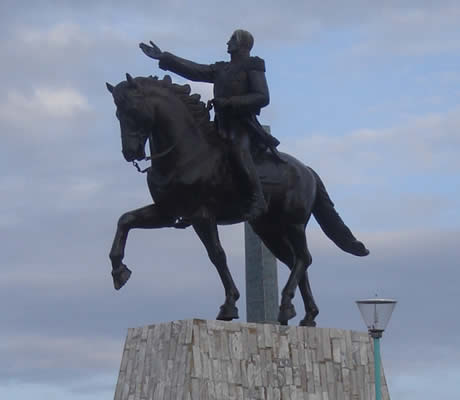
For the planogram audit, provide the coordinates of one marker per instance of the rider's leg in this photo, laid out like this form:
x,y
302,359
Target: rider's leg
x,y
244,165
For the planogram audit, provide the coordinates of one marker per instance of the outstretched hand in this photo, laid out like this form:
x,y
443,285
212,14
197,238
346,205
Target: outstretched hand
x,y
152,51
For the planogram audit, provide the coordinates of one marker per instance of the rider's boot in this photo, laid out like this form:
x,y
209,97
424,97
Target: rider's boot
x,y
256,202
257,205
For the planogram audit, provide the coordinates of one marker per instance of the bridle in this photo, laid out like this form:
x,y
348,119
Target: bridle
x,y
153,157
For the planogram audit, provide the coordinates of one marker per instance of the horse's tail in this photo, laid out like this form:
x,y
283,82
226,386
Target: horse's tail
x,y
331,223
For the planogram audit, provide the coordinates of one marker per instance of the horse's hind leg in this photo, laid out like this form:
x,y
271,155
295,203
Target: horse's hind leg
x,y
311,309
148,217
206,229
297,239
279,243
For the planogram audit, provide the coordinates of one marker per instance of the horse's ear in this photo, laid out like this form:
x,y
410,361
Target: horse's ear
x,y
167,79
109,87
130,80
155,78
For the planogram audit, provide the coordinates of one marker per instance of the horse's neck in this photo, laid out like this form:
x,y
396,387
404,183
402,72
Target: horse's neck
x,y
177,142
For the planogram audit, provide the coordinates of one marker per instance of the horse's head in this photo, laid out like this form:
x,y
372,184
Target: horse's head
x,y
135,116
148,107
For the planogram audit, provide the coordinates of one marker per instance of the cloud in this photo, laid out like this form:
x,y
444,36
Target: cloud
x,y
51,352
392,178
393,182
93,388
202,88
75,326
63,34
43,103
410,386
424,144
413,22
419,30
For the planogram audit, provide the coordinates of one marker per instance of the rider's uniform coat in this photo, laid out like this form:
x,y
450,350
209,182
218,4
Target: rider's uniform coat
x,y
243,82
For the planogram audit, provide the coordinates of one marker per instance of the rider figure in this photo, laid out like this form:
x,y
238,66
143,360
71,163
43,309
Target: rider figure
x,y
240,91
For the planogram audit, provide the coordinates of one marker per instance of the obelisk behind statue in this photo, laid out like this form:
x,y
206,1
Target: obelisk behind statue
x,y
261,277
261,280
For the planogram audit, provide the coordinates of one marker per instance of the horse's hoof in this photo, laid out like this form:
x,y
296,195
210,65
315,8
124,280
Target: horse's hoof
x,y
286,313
307,322
309,319
227,313
120,276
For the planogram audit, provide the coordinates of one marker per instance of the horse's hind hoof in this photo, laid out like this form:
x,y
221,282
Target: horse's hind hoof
x,y
309,319
307,322
286,313
227,313
120,276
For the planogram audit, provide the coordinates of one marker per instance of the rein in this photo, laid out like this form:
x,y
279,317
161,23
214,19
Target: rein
x,y
139,168
153,158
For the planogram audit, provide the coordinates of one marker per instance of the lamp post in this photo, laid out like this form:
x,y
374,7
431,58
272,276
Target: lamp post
x,y
376,314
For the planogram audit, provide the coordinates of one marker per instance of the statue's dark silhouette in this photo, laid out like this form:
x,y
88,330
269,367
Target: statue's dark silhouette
x,y
196,179
240,91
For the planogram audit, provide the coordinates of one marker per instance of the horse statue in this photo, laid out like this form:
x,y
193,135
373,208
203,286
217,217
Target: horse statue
x,y
192,183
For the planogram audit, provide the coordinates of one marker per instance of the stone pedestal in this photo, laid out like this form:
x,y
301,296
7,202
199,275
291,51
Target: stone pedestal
x,y
213,360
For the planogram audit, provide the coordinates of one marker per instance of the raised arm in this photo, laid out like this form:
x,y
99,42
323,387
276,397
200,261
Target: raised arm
x,y
185,68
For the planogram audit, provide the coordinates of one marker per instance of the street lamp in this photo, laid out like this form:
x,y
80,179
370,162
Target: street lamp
x,y
376,314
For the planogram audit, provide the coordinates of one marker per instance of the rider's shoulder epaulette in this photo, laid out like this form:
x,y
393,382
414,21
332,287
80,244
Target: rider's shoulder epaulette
x,y
256,63
219,64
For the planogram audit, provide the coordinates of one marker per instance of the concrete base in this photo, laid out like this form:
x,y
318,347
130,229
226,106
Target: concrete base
x,y
213,360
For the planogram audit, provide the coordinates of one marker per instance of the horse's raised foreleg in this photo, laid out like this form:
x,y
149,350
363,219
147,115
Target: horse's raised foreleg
x,y
148,217
206,229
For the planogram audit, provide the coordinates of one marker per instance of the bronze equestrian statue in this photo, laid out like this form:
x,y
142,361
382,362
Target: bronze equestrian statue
x,y
240,91
196,173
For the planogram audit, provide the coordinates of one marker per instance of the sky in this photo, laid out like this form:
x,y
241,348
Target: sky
x,y
366,93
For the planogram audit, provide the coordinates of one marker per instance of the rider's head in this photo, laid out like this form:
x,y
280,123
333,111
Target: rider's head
x,y
240,41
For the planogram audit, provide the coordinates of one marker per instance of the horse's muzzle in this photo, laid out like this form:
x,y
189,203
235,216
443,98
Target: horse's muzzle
x,y
130,156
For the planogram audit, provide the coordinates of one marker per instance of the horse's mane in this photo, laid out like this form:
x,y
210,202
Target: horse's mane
x,y
194,105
